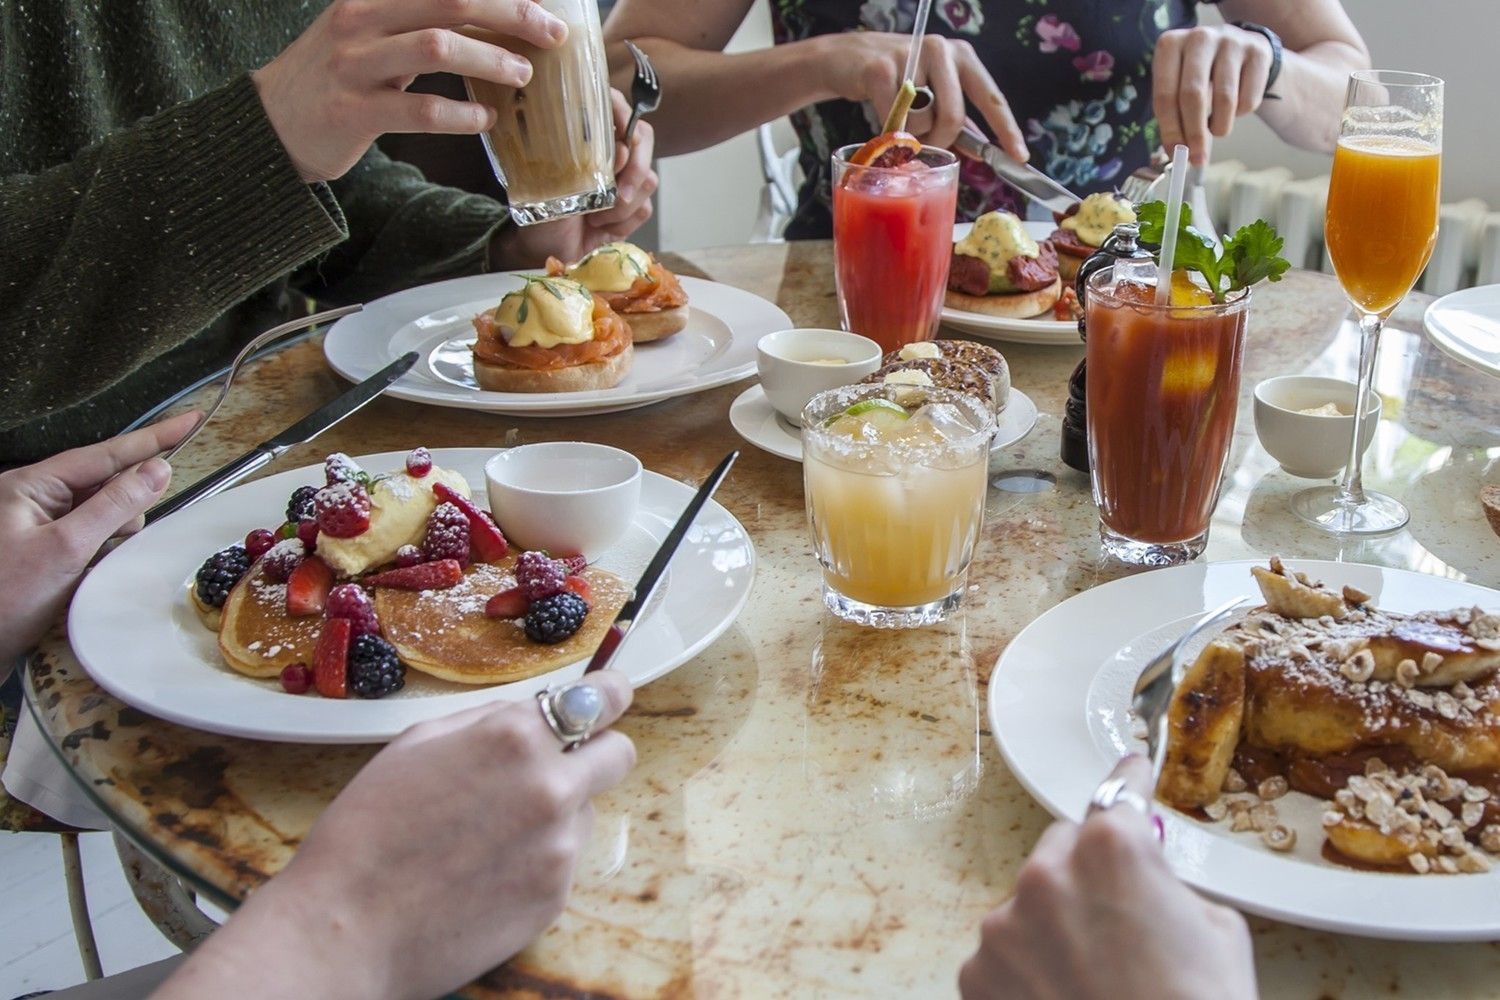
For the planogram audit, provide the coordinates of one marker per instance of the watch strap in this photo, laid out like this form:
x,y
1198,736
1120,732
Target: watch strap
x,y
1276,53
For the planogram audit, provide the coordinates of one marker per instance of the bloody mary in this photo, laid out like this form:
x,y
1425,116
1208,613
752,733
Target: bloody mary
x,y
892,241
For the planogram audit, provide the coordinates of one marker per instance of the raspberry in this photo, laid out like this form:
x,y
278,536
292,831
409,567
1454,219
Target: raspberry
x,y
300,506
296,678
447,534
307,532
374,669
219,573
349,600
555,618
409,555
539,575
283,557
419,462
485,540
258,543
573,565
343,510
340,468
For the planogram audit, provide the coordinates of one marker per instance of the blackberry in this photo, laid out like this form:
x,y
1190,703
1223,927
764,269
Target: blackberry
x,y
539,575
219,573
555,618
301,507
374,669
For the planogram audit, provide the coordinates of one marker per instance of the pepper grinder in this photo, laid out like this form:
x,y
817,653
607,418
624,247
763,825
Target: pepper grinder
x,y
1121,244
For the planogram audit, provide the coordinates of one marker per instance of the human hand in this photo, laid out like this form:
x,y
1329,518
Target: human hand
x,y
517,247
1203,78
55,515
341,84
867,66
1098,914
451,850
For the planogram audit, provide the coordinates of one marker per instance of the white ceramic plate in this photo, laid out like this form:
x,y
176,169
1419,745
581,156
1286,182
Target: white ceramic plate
x,y
753,417
1058,704
1041,330
133,629
1466,325
716,348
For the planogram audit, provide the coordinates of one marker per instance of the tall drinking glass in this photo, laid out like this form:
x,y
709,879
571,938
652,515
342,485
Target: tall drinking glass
x,y
553,143
1380,228
892,242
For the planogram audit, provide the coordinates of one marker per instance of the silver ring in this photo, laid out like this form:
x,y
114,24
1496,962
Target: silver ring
x,y
923,100
571,712
1112,793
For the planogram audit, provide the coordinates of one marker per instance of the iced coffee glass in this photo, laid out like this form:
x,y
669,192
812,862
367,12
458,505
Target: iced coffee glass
x,y
895,479
553,144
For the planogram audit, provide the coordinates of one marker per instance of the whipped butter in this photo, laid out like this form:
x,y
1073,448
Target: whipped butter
x,y
614,267
400,505
546,312
919,350
995,239
1097,217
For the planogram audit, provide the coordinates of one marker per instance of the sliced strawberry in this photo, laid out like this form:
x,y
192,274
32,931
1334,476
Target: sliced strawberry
x,y
486,543
507,604
580,586
331,659
439,575
307,588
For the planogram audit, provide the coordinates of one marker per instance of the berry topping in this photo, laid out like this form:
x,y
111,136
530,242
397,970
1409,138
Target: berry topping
x,y
447,534
340,468
573,565
555,618
307,588
343,510
410,555
300,506
349,600
510,604
539,575
374,670
486,544
219,573
259,542
296,678
419,462
307,531
438,575
284,557
580,586
331,659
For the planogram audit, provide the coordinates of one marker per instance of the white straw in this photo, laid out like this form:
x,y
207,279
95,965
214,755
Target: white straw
x,y
919,28
1169,237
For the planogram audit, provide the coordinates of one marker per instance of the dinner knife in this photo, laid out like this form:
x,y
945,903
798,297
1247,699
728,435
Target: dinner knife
x,y
625,620
1023,176
303,430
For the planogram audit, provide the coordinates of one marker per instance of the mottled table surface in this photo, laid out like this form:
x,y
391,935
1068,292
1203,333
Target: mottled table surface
x,y
818,810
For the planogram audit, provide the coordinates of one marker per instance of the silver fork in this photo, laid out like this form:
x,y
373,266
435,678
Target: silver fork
x,y
645,92
1147,184
1154,687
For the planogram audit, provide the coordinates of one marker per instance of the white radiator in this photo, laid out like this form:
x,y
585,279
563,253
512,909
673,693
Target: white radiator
x,y
1468,243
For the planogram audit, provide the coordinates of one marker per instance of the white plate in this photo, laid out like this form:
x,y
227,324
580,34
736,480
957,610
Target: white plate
x,y
1041,330
716,348
753,417
133,629
1058,704
1466,325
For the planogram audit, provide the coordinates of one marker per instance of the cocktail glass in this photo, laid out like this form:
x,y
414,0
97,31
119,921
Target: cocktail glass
x,y
895,510
1163,387
892,242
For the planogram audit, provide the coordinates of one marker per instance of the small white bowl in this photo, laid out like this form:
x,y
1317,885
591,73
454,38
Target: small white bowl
x,y
568,497
796,365
1309,445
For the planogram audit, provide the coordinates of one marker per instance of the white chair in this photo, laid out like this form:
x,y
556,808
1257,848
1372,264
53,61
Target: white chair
x,y
778,196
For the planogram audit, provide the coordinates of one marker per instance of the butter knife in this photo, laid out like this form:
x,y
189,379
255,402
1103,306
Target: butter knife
x,y
305,429
1023,176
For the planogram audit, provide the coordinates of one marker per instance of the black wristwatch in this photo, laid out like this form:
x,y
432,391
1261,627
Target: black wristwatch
x,y
1275,40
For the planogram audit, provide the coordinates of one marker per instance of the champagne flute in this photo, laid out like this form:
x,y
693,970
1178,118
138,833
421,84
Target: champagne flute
x,y
1380,228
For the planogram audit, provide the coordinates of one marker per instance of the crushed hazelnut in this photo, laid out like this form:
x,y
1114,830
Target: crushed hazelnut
x,y
1406,673
1273,787
1447,706
1279,838
1419,863
1354,595
1431,661
1473,862
1234,781
1447,864
1489,838
1216,810
1333,817
1374,766
1471,814
1476,793
1240,822
1263,817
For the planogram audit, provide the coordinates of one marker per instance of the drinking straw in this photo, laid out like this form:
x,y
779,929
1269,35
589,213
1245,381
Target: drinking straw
x,y
1169,236
919,28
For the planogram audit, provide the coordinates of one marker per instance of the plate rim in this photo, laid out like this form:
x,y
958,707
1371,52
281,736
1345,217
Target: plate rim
x,y
1443,338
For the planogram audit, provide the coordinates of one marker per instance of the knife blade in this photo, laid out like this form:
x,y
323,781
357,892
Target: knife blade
x,y
306,429
1023,176
625,620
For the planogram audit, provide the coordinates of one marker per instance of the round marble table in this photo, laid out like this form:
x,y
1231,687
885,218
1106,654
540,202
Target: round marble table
x,y
818,809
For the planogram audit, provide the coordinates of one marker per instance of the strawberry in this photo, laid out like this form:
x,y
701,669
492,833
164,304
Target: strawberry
x,y
331,659
439,575
507,604
580,586
486,543
343,510
307,588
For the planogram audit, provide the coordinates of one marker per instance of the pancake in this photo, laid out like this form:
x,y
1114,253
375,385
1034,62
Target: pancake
x,y
445,633
256,636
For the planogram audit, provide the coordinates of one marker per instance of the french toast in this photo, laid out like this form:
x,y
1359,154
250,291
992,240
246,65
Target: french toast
x,y
256,635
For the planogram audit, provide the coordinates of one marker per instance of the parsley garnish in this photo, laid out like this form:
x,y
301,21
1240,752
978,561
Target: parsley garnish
x,y
1249,256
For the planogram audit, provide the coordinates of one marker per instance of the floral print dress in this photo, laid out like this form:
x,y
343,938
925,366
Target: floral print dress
x,y
1077,74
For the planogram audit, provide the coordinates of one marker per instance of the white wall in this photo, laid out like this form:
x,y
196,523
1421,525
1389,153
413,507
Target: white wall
x,y
711,197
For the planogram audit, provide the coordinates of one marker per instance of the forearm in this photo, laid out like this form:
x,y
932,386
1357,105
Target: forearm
x,y
1312,86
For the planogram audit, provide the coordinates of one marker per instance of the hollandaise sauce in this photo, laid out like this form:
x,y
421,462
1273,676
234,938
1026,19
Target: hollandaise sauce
x,y
546,312
614,267
1097,217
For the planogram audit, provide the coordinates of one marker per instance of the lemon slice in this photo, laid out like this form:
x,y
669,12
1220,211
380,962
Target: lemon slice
x,y
1186,292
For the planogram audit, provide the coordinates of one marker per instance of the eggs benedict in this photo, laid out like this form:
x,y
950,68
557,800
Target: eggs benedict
x,y
1083,228
999,270
551,335
646,295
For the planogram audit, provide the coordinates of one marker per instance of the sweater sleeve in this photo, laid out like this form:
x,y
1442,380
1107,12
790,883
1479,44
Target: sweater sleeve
x,y
143,239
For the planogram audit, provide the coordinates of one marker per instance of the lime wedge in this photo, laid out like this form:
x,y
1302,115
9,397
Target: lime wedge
x,y
875,404
877,413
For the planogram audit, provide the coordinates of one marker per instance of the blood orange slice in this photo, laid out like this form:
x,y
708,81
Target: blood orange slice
x,y
887,150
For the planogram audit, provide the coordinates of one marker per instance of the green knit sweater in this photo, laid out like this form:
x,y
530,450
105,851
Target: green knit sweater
x,y
150,221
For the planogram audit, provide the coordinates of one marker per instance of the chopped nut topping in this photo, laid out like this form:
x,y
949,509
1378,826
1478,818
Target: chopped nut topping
x,y
1406,673
1471,814
1233,781
1216,810
1279,838
1419,863
1447,706
1489,838
1263,817
1375,765
1476,793
1240,822
1355,596
1447,864
1431,661
1333,818
1273,787
1473,862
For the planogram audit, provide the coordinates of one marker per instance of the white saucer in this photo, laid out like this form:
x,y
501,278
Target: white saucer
x,y
1466,325
756,422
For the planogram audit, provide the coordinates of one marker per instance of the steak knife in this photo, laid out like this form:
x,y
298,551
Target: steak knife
x,y
303,430
1023,176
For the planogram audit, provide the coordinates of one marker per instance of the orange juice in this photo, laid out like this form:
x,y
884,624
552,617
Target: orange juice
x,y
1382,217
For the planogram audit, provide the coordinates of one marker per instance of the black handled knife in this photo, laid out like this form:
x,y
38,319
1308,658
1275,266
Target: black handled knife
x,y
305,429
